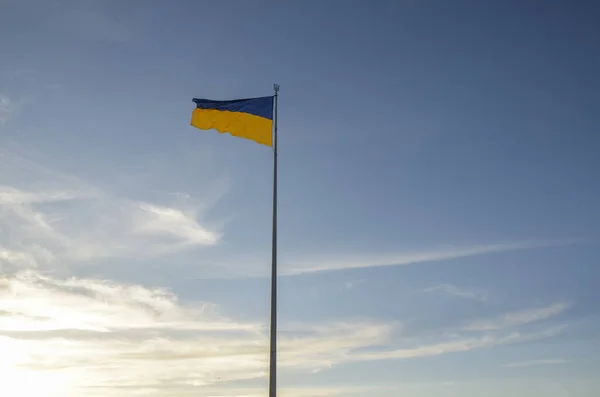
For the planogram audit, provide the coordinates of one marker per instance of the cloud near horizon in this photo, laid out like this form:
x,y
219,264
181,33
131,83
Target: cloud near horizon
x,y
105,336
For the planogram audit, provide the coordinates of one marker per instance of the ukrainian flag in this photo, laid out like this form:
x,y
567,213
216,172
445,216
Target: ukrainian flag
x,y
245,118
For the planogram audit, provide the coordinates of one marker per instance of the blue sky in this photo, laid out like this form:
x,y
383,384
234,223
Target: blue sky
x,y
438,213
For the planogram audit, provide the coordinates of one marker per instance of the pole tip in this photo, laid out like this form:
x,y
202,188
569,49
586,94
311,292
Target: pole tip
x,y
276,87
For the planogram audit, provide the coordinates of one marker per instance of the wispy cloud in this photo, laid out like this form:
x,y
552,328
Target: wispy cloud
x,y
114,227
453,290
174,222
77,304
12,196
19,259
49,215
517,318
536,362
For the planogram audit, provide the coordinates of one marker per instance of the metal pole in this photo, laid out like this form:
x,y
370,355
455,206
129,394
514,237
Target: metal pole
x,y
273,356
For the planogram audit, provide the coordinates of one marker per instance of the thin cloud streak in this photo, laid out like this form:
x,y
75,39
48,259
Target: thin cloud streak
x,y
410,258
517,318
464,345
254,266
532,363
13,196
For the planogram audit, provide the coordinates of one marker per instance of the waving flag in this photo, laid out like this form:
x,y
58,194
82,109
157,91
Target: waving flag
x,y
245,118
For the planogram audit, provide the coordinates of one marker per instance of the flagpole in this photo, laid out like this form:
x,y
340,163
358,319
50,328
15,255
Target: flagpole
x,y
273,343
